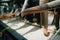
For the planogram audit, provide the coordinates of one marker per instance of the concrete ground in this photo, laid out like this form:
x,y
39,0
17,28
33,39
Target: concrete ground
x,y
28,31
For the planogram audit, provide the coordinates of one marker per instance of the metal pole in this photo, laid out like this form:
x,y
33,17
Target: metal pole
x,y
24,5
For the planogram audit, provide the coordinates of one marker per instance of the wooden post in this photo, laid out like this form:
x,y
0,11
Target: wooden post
x,y
57,20
0,35
45,16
